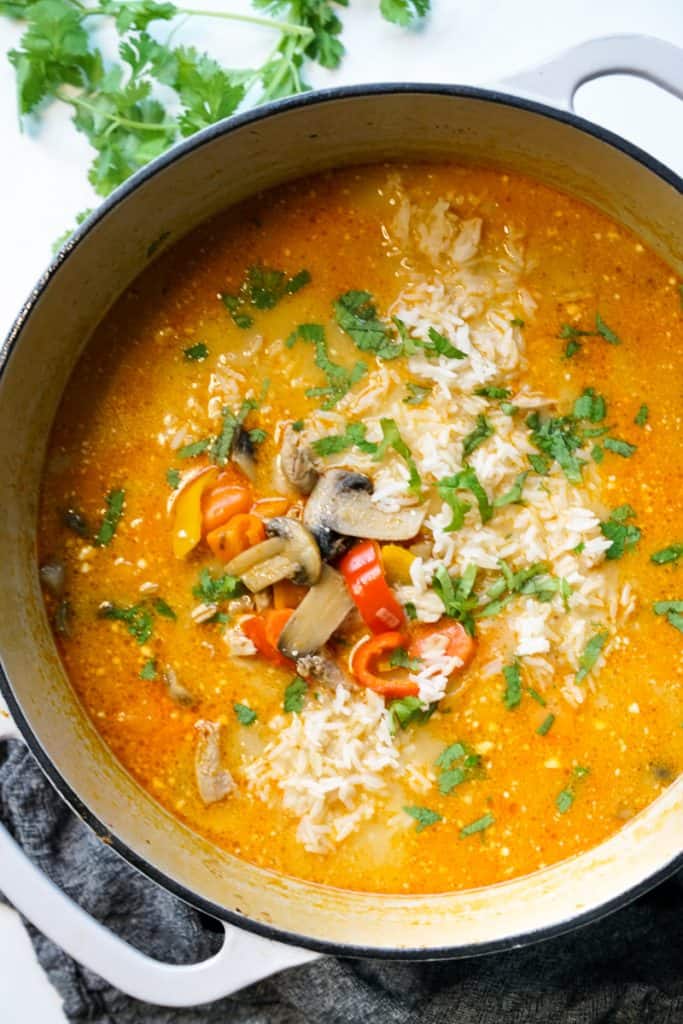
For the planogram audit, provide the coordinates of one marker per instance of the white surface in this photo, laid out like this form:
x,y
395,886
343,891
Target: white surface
x,y
43,182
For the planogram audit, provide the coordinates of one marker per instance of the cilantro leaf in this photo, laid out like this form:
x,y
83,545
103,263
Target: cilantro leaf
x,y
606,332
565,798
513,686
213,589
590,655
195,448
624,535
339,379
401,659
149,670
546,725
416,393
137,618
673,611
195,353
245,715
173,478
356,315
115,502
481,432
619,447
590,406
556,438
465,480
406,711
514,495
423,816
164,609
642,416
391,438
457,594
480,825
404,12
295,696
666,555
452,774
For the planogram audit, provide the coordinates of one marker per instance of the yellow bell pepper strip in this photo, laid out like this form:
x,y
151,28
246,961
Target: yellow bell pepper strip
x,y
187,512
397,562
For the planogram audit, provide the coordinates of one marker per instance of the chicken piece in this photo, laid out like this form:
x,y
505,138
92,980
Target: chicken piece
x,y
323,670
213,782
297,461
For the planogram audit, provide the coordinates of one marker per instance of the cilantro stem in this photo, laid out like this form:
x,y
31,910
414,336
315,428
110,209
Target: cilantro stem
x,y
116,119
287,28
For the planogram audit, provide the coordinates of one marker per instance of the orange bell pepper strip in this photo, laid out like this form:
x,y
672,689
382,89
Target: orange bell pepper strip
x,y
459,643
187,512
270,507
363,572
225,500
364,662
264,632
240,532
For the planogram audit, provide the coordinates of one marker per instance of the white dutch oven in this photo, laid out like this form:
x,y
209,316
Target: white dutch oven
x,y
273,922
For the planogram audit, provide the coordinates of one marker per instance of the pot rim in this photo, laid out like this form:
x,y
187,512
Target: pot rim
x,y
147,868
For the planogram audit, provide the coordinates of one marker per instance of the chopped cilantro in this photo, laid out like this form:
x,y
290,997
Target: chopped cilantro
x,y
391,438
441,345
540,464
137,618
212,589
114,501
590,406
517,322
410,610
295,696
257,435
480,825
245,715
423,816
354,434
491,392
642,416
597,453
465,480
457,595
513,686
173,478
262,288
624,535
339,379
481,433
666,555
619,447
590,654
298,426
356,315
514,495
673,611
416,393
557,439
406,711
546,725
606,332
195,353
231,424
453,774
149,670
534,581
508,408
164,609
401,659
190,451
565,798
535,695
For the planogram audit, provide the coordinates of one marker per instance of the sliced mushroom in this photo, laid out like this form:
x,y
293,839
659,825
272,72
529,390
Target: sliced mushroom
x,y
341,506
298,559
254,556
297,461
323,670
176,691
244,452
52,577
213,782
323,609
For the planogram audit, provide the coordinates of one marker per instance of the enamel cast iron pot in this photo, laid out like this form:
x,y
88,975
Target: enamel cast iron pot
x,y
271,921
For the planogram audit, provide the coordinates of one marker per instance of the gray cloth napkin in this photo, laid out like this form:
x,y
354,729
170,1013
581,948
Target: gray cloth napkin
x,y
627,969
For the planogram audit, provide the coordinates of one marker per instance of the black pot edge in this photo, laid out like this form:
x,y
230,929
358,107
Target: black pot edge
x,y
176,152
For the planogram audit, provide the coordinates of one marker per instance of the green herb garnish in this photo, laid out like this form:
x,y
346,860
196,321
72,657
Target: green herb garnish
x,y
401,659
619,447
191,451
666,555
556,438
408,711
339,379
590,406
295,696
492,392
457,595
673,610
213,589
114,501
513,686
565,798
514,495
262,288
162,608
245,715
416,393
642,416
624,535
590,654
481,433
606,332
480,825
138,619
149,670
195,353
356,315
173,478
452,773
466,480
423,816
546,725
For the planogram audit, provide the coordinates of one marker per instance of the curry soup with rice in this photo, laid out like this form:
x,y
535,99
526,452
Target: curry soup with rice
x,y
361,530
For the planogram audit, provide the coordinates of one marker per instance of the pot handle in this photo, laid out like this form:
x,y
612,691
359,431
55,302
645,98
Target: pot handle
x,y
242,959
558,79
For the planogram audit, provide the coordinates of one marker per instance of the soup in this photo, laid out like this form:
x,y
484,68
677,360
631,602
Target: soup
x,y
360,529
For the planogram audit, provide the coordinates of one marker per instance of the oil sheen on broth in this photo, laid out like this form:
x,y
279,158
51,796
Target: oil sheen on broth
x,y
493,305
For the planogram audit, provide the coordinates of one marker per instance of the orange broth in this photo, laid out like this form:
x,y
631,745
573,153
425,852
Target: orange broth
x,y
133,374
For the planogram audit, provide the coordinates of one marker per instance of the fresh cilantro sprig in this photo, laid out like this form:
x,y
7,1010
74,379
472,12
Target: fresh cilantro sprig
x,y
118,106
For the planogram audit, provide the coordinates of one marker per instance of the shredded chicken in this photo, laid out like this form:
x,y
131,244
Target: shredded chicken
x,y
213,782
